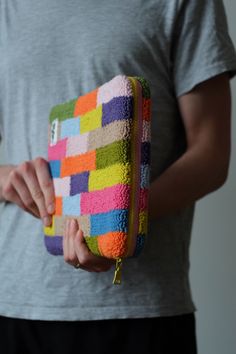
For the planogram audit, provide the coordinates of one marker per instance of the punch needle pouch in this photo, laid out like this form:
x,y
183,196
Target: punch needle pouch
x,y
99,160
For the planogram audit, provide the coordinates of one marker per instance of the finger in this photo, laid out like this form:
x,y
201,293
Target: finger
x,y
46,183
68,246
23,194
81,250
36,215
66,240
72,229
87,259
28,173
80,245
10,193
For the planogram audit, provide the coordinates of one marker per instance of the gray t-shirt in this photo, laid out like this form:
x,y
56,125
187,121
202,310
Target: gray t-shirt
x,y
53,51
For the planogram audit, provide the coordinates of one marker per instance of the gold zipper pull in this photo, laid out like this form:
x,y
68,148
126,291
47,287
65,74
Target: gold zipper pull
x,y
117,275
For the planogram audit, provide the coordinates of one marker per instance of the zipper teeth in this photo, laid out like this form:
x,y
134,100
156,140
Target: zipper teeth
x,y
137,165
135,174
136,170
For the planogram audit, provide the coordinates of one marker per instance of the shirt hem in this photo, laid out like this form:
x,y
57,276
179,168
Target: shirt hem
x,y
86,314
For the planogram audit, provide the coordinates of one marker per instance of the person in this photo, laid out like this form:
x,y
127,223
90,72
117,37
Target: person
x,y
53,51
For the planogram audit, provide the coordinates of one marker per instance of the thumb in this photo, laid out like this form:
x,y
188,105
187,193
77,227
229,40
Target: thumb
x,y
80,244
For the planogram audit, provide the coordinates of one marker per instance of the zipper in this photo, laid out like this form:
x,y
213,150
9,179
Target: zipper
x,y
136,156
117,275
135,178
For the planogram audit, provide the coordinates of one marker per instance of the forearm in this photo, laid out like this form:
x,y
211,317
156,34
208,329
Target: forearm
x,y
195,174
4,172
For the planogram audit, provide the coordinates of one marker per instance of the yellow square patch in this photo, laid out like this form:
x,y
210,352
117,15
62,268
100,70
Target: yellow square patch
x,y
91,120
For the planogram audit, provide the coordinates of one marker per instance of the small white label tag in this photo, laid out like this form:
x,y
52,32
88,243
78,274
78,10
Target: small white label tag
x,y
54,131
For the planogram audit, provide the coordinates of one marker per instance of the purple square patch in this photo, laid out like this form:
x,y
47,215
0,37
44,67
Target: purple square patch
x,y
79,183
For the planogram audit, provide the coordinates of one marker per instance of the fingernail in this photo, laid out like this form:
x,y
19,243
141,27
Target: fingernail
x,y
51,208
47,220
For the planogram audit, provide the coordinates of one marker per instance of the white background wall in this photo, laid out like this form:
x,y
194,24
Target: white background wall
x,y
213,248
213,252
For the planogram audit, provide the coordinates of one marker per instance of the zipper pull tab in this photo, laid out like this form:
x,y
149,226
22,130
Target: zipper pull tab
x,y
117,275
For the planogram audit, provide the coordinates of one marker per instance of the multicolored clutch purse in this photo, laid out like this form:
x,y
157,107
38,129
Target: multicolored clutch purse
x,y
99,159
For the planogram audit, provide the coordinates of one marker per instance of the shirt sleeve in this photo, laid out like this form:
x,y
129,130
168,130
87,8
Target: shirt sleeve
x,y
202,47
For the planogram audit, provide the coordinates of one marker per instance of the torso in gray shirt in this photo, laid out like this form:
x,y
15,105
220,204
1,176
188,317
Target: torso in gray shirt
x,y
53,51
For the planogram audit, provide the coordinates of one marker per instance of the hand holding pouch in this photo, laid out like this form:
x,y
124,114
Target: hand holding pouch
x,y
99,159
